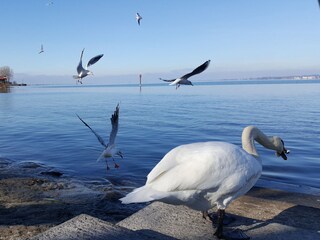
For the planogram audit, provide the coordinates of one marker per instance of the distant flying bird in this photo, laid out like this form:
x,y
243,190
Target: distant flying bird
x,y
138,17
184,79
83,72
41,49
49,3
110,150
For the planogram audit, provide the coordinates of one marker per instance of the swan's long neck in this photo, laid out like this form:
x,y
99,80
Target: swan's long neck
x,y
251,134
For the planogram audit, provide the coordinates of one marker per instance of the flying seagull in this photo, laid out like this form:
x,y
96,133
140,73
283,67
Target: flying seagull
x,y
41,49
184,79
138,17
83,72
110,150
49,3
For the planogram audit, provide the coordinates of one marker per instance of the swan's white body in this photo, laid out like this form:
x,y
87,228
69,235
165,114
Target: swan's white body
x,y
200,175
207,174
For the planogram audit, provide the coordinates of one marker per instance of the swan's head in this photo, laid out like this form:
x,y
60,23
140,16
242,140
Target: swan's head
x,y
281,151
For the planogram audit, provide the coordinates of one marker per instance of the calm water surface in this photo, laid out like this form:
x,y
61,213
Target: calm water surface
x,y
39,123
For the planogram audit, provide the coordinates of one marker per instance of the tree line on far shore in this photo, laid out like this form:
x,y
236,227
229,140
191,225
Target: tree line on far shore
x,y
7,72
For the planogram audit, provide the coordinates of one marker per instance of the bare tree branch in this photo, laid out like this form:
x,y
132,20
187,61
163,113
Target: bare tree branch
x,y
6,71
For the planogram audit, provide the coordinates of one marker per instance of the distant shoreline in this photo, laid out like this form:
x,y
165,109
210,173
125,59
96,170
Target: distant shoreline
x,y
293,77
6,85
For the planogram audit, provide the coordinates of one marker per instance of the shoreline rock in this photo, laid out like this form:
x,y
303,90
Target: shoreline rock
x,y
35,197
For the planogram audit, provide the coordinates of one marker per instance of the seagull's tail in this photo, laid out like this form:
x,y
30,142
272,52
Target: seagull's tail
x,y
143,194
75,76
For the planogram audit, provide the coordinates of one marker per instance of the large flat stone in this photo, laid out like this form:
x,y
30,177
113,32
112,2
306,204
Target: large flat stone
x,y
85,227
262,214
176,221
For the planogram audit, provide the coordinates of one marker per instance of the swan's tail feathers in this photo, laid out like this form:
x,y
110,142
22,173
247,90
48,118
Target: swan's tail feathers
x,y
142,194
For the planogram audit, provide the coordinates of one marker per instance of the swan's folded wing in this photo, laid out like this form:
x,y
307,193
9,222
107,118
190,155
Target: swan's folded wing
x,y
183,169
204,166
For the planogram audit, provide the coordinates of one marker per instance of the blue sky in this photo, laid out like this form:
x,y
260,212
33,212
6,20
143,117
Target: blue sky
x,y
243,38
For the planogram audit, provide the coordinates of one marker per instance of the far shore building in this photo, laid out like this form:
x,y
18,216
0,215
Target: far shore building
x,y
3,82
3,79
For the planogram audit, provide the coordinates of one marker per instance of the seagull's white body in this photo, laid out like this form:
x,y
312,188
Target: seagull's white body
x,y
83,72
138,18
181,81
184,79
200,175
206,174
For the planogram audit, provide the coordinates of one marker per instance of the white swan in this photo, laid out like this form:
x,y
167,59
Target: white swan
x,y
207,174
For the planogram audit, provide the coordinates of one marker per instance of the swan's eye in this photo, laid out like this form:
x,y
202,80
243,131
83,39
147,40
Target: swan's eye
x,y
284,149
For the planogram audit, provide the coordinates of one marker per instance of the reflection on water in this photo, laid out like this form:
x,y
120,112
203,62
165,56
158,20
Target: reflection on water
x,y
4,89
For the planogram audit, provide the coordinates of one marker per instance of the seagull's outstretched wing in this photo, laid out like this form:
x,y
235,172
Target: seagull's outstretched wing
x,y
41,49
198,70
167,80
80,68
96,134
94,60
115,123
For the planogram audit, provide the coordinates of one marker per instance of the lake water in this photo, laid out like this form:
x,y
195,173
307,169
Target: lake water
x,y
39,123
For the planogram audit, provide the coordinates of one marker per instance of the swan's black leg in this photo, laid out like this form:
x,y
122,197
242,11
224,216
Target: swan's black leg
x,y
219,230
235,234
206,216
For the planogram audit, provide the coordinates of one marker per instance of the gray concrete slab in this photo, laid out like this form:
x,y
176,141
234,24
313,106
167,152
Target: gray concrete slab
x,y
176,221
183,223
276,231
85,227
263,214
